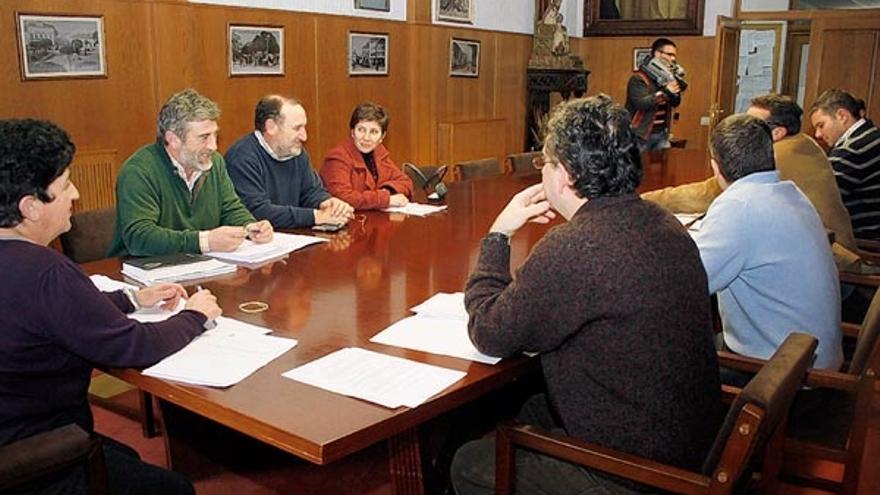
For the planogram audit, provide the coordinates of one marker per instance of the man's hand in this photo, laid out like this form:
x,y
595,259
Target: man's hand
x,y
325,217
337,208
673,87
205,303
168,294
398,200
260,232
226,239
528,205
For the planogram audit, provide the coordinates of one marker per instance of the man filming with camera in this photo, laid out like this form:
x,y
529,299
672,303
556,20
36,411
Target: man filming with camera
x,y
651,94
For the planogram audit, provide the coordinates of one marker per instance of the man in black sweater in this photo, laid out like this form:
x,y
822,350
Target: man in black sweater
x,y
615,301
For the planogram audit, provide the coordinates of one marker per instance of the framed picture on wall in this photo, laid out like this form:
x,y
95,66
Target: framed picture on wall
x,y
640,56
367,54
256,50
464,58
59,46
455,10
383,5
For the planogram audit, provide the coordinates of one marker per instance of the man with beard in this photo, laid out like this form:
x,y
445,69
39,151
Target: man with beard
x,y
272,172
175,195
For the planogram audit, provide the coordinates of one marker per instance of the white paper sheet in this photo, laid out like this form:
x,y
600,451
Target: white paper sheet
x,y
281,244
221,357
443,305
385,380
416,209
445,336
177,273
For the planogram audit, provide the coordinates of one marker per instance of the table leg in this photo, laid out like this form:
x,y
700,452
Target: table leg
x,y
405,463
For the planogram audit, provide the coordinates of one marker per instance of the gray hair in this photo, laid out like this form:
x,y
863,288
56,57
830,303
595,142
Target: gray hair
x,y
183,107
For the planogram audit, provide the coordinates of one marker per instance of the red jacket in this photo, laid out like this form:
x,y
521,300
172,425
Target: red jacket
x,y
346,176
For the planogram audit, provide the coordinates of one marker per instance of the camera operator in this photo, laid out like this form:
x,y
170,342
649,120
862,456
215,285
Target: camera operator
x,y
651,94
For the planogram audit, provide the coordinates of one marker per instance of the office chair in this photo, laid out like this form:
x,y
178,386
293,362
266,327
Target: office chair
x,y
749,428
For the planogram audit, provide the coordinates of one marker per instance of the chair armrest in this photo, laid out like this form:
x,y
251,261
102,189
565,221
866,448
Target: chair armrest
x,y
815,377
856,279
610,461
868,245
43,453
739,362
850,329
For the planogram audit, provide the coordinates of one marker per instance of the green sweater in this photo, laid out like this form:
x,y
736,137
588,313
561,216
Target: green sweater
x,y
156,213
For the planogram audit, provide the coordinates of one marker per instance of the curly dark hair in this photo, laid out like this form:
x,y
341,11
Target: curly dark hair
x,y
784,112
33,153
593,140
742,145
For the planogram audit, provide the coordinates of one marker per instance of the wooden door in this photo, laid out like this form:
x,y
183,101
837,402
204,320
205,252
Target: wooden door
x,y
724,69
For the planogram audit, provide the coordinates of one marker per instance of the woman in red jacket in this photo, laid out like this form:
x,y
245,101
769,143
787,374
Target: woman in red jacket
x,y
359,170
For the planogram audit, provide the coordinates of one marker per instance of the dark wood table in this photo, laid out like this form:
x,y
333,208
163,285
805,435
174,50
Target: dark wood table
x,y
340,294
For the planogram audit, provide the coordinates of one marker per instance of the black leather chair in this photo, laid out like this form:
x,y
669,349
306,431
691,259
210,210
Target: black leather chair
x,y
472,169
90,235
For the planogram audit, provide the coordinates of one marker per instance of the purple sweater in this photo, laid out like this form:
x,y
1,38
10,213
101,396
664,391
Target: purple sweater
x,y
616,301
56,326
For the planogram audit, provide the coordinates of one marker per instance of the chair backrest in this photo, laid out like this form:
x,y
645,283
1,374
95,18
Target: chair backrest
x,y
521,163
90,235
477,168
426,170
771,390
867,339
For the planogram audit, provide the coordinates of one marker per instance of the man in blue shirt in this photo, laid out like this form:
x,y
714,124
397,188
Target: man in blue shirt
x,y
765,251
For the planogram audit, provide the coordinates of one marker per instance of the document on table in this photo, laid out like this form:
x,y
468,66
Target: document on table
x,y
223,356
692,221
439,327
375,377
416,209
281,244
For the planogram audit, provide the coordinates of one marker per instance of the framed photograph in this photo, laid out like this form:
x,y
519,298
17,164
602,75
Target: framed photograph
x,y
455,10
367,54
464,58
640,56
382,5
256,50
60,46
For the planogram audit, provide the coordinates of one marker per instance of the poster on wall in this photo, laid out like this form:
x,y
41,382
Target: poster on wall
x,y
367,54
464,58
256,50
61,46
455,10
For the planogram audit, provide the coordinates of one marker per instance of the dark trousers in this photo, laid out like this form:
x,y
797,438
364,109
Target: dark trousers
x,y
473,467
126,474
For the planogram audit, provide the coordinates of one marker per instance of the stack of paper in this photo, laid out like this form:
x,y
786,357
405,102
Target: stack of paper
x,y
439,327
417,209
385,380
143,315
174,268
281,244
223,356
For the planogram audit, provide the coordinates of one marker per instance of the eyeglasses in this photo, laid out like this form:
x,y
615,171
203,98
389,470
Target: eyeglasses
x,y
539,161
669,54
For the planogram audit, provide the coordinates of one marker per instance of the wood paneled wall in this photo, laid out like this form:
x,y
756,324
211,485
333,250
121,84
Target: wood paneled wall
x,y
158,47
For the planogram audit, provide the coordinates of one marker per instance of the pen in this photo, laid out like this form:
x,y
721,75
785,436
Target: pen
x,y
251,232
209,324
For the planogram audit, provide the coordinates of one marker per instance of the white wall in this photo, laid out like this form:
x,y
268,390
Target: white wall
x,y
340,7
764,5
514,16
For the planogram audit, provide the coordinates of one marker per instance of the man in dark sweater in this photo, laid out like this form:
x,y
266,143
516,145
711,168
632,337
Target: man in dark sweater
x,y
616,303
55,324
854,144
272,173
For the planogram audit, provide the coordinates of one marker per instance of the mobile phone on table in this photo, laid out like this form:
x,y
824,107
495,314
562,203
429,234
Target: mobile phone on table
x,y
327,227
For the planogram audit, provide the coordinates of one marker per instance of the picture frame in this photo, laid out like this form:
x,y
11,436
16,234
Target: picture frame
x,y
464,58
380,5
455,10
368,54
640,55
60,46
255,50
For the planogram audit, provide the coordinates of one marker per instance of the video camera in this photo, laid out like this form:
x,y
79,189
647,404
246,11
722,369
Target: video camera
x,y
663,72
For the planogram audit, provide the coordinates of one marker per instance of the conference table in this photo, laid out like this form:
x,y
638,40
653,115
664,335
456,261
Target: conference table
x,y
340,294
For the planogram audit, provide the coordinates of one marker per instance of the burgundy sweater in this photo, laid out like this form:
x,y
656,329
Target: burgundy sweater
x,y
55,325
616,301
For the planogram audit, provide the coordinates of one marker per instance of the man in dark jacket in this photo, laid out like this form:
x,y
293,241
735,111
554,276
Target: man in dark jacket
x,y
649,104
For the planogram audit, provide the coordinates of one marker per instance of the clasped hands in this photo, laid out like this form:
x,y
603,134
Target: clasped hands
x,y
528,205
228,238
333,211
168,295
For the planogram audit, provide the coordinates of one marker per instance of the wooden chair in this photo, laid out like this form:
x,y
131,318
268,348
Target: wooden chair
x,y
46,454
472,169
830,421
89,239
521,163
751,421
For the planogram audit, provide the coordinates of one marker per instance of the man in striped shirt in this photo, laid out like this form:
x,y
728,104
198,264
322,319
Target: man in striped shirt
x,y
854,144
